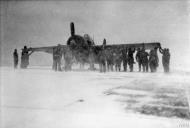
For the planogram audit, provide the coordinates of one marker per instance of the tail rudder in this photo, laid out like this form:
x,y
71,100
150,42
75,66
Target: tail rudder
x,y
72,27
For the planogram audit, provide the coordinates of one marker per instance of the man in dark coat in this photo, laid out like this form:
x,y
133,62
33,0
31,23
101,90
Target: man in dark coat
x,y
124,58
153,60
131,59
165,59
25,57
91,59
118,60
102,61
15,58
102,57
138,58
54,58
68,56
144,60
109,59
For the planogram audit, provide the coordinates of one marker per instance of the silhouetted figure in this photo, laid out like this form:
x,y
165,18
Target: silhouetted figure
x,y
54,58
131,59
25,57
118,60
153,60
102,57
144,60
102,61
68,59
91,59
138,58
165,59
109,59
82,58
15,58
124,59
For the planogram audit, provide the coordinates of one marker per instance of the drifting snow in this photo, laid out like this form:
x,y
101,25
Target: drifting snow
x,y
39,97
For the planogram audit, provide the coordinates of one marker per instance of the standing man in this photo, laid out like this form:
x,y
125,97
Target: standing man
x,y
54,58
109,59
138,58
118,60
25,57
144,59
102,61
124,58
165,59
68,56
91,59
15,58
131,59
102,57
153,60
57,58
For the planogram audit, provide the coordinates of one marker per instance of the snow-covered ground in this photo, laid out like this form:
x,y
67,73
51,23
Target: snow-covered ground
x,y
42,98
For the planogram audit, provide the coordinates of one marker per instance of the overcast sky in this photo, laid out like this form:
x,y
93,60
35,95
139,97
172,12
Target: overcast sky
x,y
44,23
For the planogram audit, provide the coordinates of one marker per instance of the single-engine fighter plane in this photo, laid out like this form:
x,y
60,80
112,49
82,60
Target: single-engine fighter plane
x,y
84,50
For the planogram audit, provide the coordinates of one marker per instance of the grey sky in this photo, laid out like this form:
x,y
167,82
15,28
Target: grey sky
x,y
44,23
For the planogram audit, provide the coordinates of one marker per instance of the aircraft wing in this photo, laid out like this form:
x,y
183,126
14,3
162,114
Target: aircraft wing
x,y
147,46
48,49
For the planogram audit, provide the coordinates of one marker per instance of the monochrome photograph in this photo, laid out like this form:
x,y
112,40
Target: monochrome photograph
x,y
95,64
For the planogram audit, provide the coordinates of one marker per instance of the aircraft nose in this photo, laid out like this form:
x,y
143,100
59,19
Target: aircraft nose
x,y
73,43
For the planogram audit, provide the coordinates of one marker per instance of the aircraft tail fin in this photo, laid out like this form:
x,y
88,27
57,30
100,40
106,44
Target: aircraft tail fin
x,y
72,27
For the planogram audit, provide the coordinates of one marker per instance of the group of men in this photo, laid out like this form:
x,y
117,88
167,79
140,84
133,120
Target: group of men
x,y
107,59
24,58
110,58
58,54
